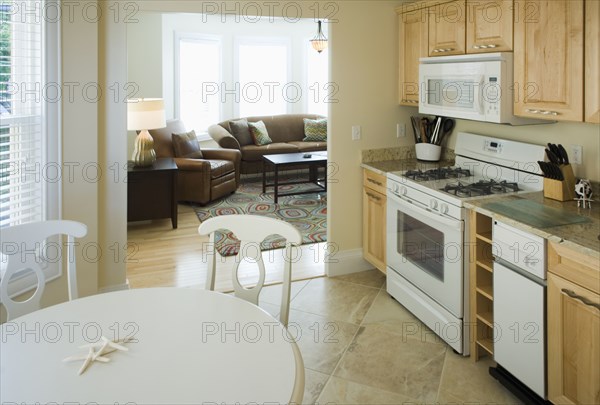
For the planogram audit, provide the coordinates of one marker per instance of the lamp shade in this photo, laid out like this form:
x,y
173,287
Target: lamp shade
x,y
145,113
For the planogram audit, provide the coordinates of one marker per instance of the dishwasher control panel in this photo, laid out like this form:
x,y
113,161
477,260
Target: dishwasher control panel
x,y
519,248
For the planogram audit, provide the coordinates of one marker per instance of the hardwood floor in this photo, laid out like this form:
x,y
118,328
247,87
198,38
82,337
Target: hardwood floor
x,y
164,257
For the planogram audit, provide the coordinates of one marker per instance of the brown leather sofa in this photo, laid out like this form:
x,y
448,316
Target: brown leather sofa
x,y
286,131
199,180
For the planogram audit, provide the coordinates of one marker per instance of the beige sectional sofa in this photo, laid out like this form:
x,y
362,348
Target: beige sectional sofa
x,y
286,131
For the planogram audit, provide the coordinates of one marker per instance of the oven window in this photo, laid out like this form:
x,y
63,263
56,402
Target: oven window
x,y
451,93
421,244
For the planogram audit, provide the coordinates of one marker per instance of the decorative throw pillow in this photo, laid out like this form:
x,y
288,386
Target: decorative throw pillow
x,y
241,131
259,133
186,145
315,130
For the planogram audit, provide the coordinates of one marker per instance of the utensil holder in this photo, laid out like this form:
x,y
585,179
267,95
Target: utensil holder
x,y
561,190
428,152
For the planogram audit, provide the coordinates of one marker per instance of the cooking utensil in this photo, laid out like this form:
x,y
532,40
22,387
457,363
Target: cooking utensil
x,y
416,130
563,154
423,126
446,127
552,157
436,130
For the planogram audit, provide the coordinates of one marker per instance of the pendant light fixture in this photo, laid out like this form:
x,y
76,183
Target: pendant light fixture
x,y
319,42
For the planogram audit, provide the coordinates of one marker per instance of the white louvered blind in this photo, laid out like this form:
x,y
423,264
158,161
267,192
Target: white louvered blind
x,y
22,109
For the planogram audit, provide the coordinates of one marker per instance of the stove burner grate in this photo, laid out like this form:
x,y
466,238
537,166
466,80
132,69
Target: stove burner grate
x,y
480,188
437,174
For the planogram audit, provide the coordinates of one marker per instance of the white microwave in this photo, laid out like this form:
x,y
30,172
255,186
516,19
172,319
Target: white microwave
x,y
473,87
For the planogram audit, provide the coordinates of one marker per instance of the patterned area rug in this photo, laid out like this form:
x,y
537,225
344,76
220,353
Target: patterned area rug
x,y
307,212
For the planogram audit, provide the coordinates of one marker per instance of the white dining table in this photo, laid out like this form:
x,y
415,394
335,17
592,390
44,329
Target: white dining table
x,y
189,347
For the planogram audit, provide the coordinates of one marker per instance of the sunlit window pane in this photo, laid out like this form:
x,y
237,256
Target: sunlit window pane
x,y
199,70
263,78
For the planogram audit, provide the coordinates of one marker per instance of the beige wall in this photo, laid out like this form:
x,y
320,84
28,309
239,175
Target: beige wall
x,y
363,63
364,66
144,60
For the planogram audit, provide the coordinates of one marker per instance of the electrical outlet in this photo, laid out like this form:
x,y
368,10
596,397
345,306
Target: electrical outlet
x,y
576,154
400,130
356,132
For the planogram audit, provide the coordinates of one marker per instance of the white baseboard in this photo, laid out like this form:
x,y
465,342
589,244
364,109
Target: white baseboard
x,y
118,287
346,262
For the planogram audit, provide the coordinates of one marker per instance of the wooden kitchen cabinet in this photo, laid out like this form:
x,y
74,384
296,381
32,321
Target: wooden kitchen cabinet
x,y
412,35
548,59
481,285
489,26
374,218
447,29
592,61
573,327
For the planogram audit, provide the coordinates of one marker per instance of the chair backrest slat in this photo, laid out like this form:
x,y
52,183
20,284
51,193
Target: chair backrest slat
x,y
251,230
20,245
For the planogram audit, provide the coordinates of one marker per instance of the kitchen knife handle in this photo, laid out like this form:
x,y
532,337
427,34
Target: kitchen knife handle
x,y
563,154
551,156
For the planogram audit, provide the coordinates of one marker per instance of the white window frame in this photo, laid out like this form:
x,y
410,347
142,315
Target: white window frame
x,y
193,36
51,150
253,40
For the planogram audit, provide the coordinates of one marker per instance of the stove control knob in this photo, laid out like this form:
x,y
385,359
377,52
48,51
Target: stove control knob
x,y
444,209
396,188
403,190
433,204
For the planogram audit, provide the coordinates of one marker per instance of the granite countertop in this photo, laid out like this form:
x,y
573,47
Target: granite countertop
x,y
582,237
387,166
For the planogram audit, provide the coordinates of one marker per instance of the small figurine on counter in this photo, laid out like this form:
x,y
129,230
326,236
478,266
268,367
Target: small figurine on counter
x,y
583,189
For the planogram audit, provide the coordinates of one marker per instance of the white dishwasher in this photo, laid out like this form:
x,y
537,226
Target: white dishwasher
x,y
520,305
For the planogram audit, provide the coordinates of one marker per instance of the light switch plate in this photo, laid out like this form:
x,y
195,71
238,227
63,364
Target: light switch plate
x,y
356,133
576,155
400,130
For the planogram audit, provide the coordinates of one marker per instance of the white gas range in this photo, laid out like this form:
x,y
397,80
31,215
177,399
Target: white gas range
x,y
426,254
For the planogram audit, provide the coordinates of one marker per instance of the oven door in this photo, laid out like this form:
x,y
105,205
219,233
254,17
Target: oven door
x,y
427,250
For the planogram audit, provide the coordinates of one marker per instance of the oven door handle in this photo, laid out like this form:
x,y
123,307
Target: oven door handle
x,y
415,208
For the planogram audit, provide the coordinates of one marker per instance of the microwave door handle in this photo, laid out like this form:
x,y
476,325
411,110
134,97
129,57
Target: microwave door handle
x,y
478,93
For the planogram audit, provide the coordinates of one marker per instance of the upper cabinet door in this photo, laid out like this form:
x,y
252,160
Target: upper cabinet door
x,y
447,29
489,26
548,59
413,45
592,61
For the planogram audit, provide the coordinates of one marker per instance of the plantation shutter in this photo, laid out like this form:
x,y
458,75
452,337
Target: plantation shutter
x,y
22,109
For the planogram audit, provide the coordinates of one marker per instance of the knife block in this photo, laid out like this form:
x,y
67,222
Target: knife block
x,y
561,190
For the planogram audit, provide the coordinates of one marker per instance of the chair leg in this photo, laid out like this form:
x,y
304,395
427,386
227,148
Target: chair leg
x,y
211,265
286,287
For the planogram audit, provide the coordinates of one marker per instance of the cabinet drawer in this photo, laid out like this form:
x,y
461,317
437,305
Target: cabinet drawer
x,y
574,266
374,181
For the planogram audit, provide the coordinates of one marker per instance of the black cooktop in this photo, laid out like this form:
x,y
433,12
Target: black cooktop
x,y
437,174
482,187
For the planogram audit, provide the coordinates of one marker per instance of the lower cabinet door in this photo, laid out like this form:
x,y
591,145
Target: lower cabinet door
x,y
374,228
573,343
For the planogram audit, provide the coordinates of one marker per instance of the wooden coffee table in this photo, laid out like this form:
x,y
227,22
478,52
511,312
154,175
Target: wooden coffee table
x,y
312,160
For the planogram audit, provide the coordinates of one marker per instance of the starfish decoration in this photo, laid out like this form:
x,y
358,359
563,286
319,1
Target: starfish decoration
x,y
104,346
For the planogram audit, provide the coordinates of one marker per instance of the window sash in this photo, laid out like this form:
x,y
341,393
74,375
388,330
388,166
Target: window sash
x,y
29,124
206,103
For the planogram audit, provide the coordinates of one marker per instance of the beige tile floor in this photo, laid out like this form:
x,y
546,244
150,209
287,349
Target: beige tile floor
x,y
362,347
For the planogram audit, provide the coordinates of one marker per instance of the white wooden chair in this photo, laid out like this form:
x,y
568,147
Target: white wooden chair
x,y
251,230
21,246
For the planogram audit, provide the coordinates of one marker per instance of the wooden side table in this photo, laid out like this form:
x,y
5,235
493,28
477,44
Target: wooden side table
x,y
152,191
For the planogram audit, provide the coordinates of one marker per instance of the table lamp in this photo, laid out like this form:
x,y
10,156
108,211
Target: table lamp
x,y
144,114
